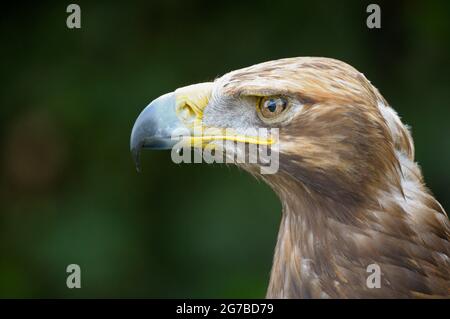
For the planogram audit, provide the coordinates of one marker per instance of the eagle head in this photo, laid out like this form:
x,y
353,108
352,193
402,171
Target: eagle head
x,y
350,190
332,135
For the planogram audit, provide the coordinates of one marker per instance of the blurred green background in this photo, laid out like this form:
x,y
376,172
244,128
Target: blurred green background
x,y
68,188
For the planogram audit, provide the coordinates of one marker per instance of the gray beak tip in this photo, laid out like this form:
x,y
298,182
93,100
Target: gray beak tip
x,y
135,153
153,127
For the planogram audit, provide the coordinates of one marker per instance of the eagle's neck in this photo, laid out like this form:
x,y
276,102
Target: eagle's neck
x,y
301,254
325,246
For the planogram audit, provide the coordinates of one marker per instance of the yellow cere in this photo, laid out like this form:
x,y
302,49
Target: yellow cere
x,y
191,101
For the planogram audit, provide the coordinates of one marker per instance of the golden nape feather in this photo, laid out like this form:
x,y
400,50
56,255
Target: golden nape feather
x,y
351,193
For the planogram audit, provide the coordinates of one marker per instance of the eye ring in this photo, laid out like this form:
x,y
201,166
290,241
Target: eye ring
x,y
271,107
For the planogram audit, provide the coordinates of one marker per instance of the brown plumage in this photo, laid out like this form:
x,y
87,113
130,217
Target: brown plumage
x,y
351,192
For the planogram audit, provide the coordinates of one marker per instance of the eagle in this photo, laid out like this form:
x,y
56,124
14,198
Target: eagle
x,y
353,198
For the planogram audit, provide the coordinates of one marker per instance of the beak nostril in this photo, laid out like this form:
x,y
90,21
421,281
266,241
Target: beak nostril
x,y
191,101
187,113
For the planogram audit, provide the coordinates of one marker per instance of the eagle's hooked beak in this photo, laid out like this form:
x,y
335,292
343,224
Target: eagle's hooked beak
x,y
170,113
178,116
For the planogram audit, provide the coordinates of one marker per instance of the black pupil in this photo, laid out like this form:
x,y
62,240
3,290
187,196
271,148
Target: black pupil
x,y
272,105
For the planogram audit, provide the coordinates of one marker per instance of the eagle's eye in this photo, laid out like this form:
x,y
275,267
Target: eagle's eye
x,y
271,107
